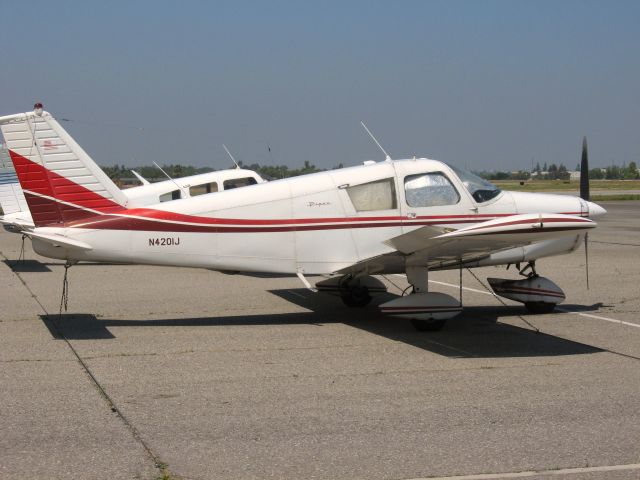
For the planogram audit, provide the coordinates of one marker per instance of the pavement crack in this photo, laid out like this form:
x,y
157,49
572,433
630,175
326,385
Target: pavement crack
x,y
161,466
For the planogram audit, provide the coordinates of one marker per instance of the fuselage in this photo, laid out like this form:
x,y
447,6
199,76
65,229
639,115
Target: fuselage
x,y
315,224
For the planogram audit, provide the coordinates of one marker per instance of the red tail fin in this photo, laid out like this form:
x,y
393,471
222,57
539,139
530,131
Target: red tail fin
x,y
61,182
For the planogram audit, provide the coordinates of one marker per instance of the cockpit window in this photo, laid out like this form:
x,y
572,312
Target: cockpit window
x,y
429,190
480,189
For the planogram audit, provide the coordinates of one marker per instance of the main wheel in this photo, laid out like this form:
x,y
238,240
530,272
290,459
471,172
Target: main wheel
x,y
356,297
540,307
431,325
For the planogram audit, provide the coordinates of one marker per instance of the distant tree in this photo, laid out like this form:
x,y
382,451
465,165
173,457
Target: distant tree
x,y
537,167
521,175
578,167
631,172
562,173
613,173
596,174
544,167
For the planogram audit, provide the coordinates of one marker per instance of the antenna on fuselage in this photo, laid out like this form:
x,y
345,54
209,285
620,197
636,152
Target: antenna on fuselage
x,y
387,156
169,177
229,153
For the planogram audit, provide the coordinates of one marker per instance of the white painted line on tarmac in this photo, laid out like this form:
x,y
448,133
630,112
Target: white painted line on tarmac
x,y
532,473
564,310
484,292
597,317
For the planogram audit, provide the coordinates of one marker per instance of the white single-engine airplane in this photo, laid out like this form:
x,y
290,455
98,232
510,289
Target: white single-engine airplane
x,y
17,218
402,216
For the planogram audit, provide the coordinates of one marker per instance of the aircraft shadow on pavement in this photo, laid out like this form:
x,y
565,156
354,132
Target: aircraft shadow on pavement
x,y
24,266
476,333
86,326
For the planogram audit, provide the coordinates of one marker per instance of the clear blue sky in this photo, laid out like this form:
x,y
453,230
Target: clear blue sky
x,y
486,84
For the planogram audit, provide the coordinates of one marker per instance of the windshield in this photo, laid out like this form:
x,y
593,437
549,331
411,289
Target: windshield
x,y
479,188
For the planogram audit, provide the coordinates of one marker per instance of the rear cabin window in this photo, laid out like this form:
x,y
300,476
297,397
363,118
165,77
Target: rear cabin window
x,y
239,182
378,195
430,190
196,190
167,197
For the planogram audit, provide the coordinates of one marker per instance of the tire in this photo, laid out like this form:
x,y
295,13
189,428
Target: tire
x,y
427,325
540,307
356,297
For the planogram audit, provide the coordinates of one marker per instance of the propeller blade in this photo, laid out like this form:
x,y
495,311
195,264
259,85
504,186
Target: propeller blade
x,y
584,171
586,256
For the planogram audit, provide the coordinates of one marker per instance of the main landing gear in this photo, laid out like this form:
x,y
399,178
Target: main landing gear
x,y
427,311
354,291
539,294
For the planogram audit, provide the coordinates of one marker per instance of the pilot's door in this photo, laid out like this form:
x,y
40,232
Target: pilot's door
x,y
430,198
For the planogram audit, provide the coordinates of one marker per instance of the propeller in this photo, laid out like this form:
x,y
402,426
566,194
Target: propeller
x,y
584,194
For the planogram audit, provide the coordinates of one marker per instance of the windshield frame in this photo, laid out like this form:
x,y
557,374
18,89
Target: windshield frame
x,y
482,191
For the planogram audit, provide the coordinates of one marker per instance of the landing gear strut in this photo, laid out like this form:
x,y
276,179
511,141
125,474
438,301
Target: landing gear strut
x,y
529,266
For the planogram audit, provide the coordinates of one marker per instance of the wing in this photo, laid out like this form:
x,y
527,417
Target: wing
x,y
428,246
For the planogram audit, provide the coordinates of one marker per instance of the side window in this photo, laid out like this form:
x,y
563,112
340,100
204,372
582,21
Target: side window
x,y
203,188
378,195
430,190
167,197
239,182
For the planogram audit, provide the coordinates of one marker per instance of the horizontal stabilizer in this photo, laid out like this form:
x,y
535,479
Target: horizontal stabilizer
x,y
143,180
60,241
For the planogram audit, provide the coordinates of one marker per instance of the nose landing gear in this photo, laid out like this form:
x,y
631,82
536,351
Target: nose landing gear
x,y
539,294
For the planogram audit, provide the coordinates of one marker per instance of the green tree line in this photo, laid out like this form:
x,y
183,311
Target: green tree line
x,y
119,173
560,172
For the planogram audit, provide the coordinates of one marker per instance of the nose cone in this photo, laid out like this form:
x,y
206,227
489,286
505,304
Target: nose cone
x,y
595,210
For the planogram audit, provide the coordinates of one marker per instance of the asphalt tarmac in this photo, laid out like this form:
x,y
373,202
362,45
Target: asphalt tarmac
x,y
191,374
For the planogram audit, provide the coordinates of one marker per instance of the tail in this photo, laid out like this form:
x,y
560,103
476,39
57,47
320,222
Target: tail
x,y
61,182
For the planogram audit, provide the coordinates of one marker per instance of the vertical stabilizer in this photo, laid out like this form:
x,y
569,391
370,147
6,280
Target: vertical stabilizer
x,y
61,182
